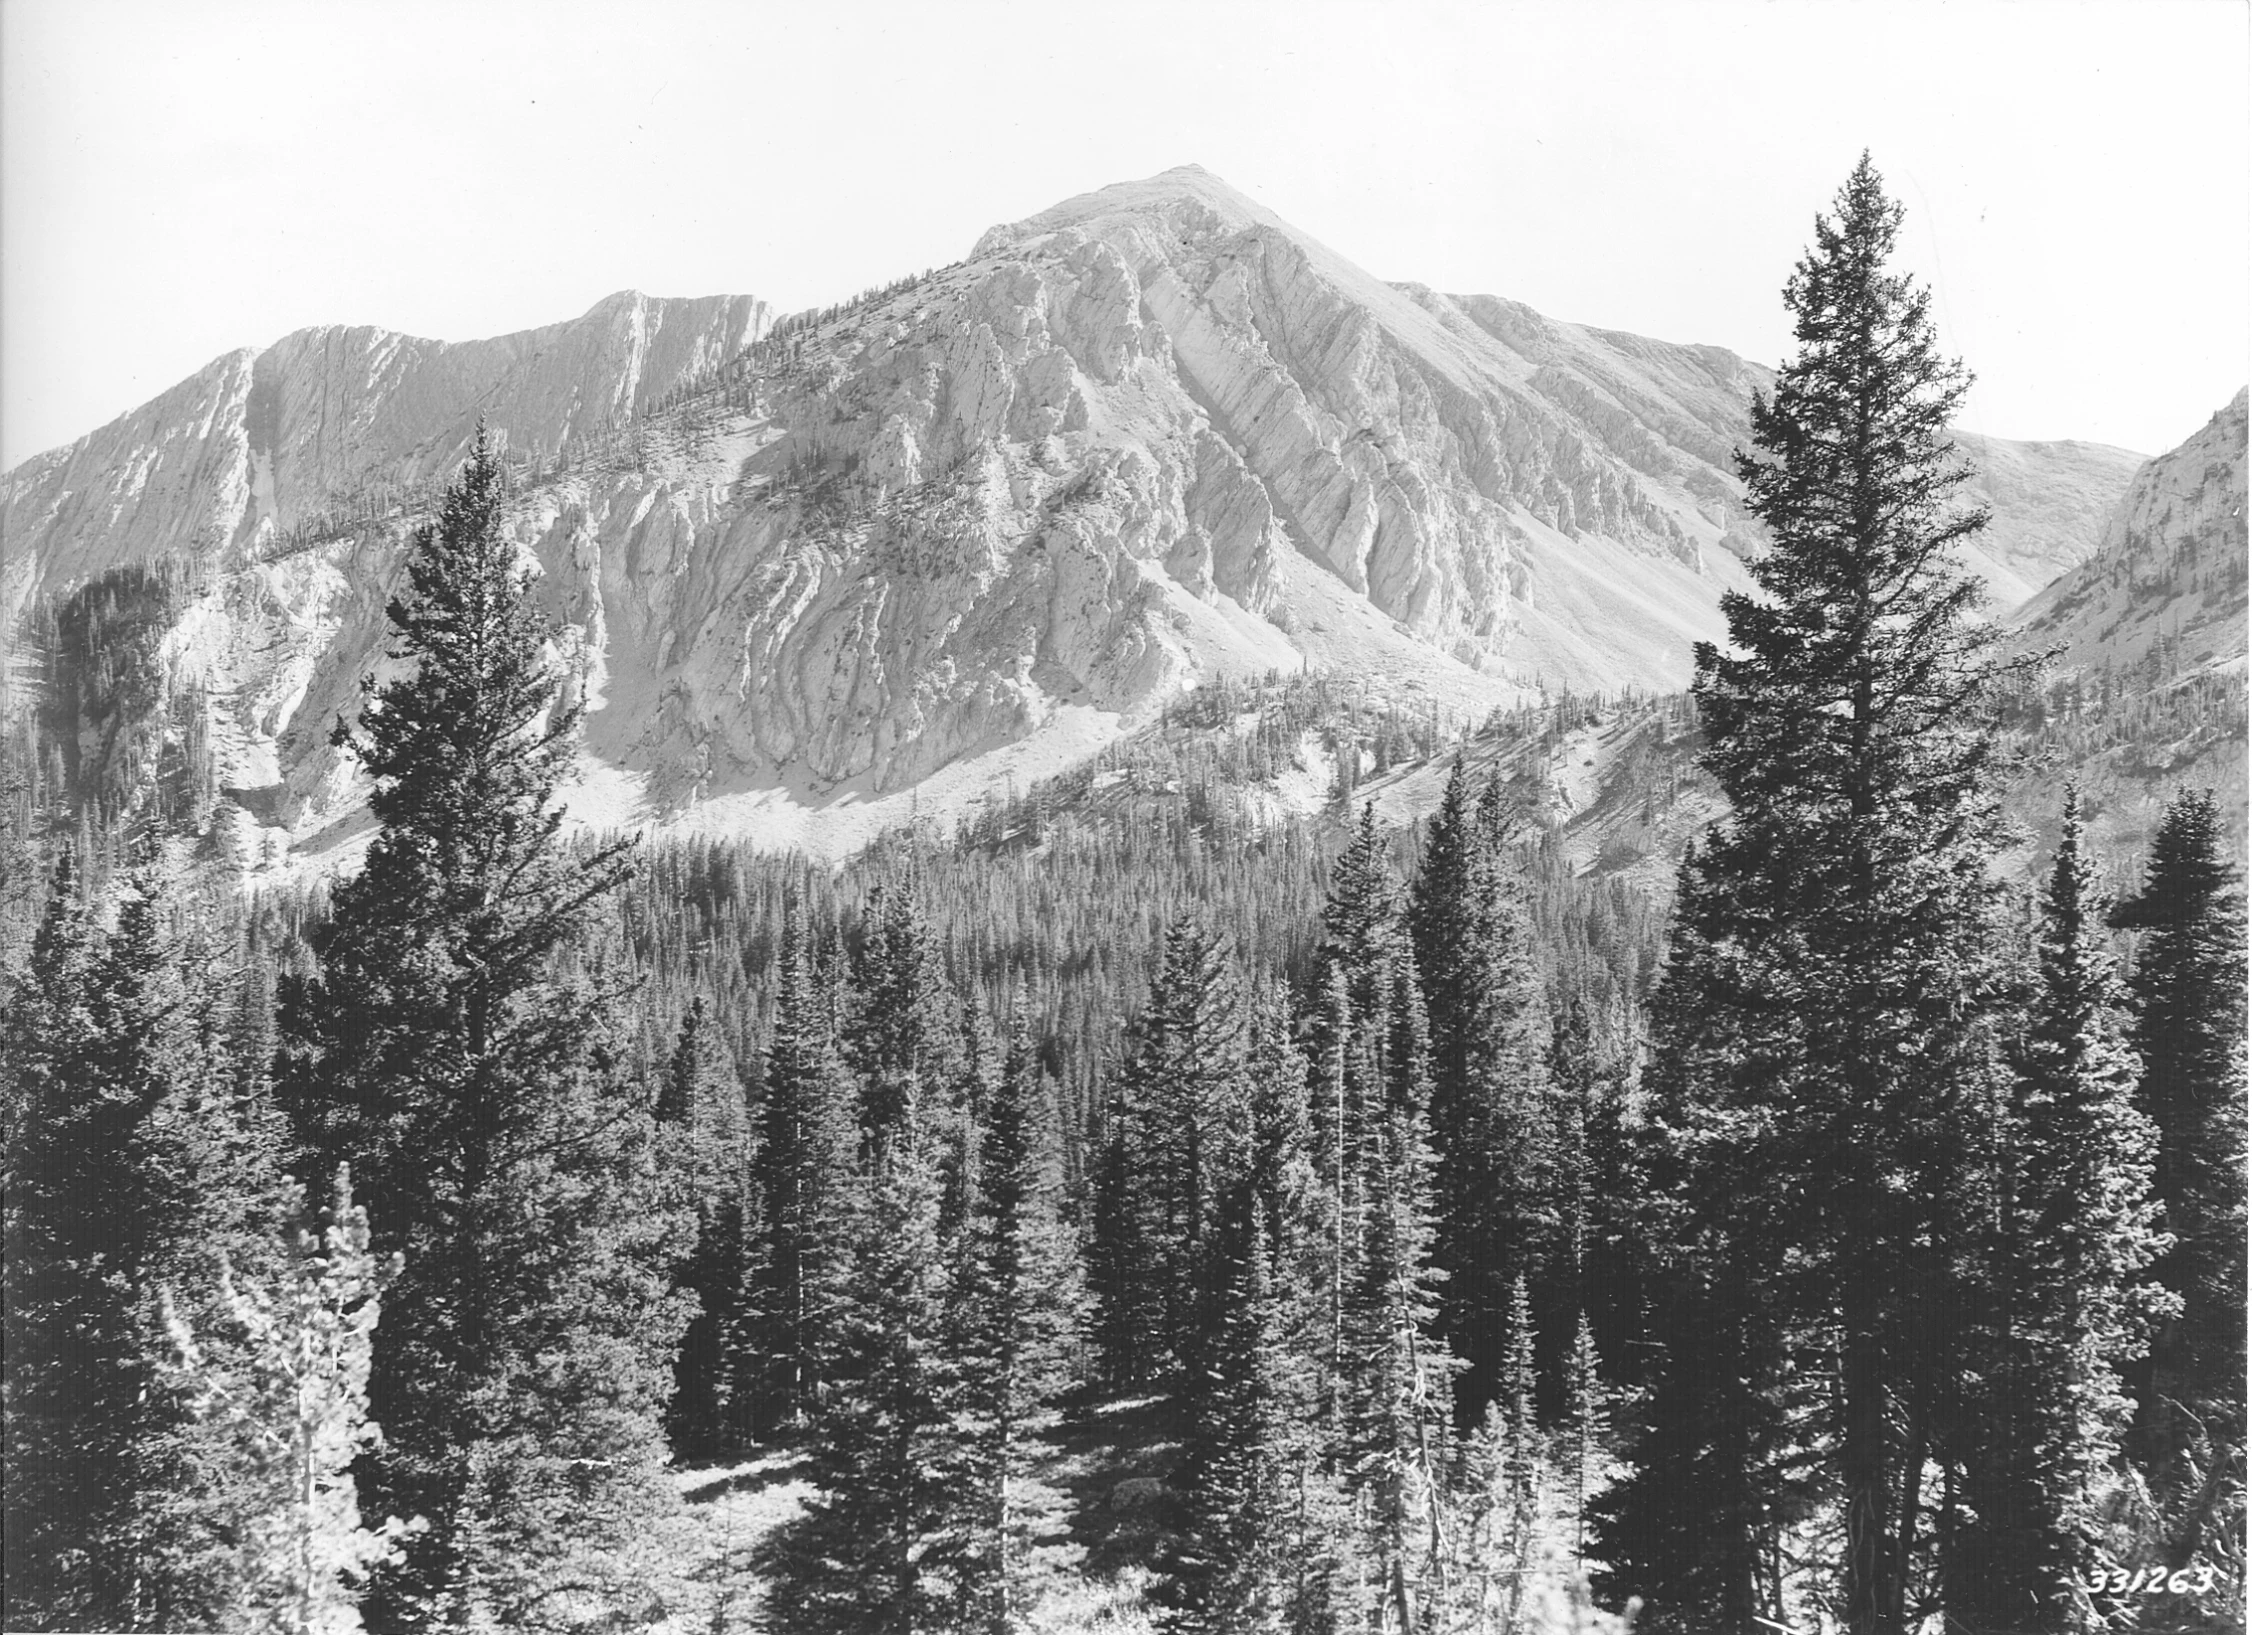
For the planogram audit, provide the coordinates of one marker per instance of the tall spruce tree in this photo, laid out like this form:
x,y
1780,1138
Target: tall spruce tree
x,y
1721,1450
2069,1228
1396,1381
902,1035
1599,1278
447,1050
1282,1170
1840,999
802,1180
884,1445
705,1133
1011,1310
1492,1116
1178,1135
2188,991
1233,1567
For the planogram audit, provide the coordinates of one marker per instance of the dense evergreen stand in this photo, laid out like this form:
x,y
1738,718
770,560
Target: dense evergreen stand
x,y
2188,997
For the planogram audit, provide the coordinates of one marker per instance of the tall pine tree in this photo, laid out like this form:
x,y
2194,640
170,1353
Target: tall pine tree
x,y
1233,1567
1178,1134
289,1399
449,1053
1840,997
884,1444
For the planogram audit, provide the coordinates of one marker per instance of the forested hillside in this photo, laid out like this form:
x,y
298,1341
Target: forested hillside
x,y
1764,1157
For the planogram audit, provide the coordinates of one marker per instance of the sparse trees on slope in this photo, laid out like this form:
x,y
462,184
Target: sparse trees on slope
x,y
447,1053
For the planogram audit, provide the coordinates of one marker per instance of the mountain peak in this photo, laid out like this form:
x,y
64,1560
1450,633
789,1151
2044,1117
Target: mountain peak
x,y
1183,192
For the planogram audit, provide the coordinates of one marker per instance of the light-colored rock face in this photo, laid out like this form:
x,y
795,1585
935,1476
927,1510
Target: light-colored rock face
x,y
2168,582
968,527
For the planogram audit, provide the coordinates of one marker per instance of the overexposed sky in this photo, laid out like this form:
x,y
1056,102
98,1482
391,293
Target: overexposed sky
x,y
181,177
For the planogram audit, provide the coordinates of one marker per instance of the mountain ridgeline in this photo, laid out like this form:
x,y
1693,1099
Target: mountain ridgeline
x,y
959,531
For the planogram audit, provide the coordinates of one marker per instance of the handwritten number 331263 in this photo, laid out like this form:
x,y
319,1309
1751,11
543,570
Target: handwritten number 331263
x,y
2148,1581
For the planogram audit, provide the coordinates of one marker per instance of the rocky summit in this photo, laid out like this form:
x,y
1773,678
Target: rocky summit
x,y
816,572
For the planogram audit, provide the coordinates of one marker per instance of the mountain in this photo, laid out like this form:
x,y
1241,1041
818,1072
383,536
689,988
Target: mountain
x,y
2166,588
2050,502
821,573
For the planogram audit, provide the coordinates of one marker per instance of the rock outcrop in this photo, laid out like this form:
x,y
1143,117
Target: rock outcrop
x,y
964,527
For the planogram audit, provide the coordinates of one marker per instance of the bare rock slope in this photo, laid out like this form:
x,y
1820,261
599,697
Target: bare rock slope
x,y
965,528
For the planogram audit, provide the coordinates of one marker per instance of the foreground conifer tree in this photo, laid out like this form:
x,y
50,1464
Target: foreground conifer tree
x,y
2070,1229
1233,1567
289,1399
2188,988
1836,1002
134,1160
446,1052
1176,1132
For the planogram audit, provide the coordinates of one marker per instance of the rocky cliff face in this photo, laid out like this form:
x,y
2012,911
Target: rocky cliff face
x,y
2167,585
964,528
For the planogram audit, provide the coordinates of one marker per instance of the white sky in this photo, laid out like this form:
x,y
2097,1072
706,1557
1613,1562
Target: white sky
x,y
181,177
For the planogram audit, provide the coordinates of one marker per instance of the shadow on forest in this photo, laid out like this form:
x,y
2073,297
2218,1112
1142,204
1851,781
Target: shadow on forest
x,y
1116,1461
734,1476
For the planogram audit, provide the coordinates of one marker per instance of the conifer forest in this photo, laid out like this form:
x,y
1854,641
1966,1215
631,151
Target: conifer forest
x,y
1115,1216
